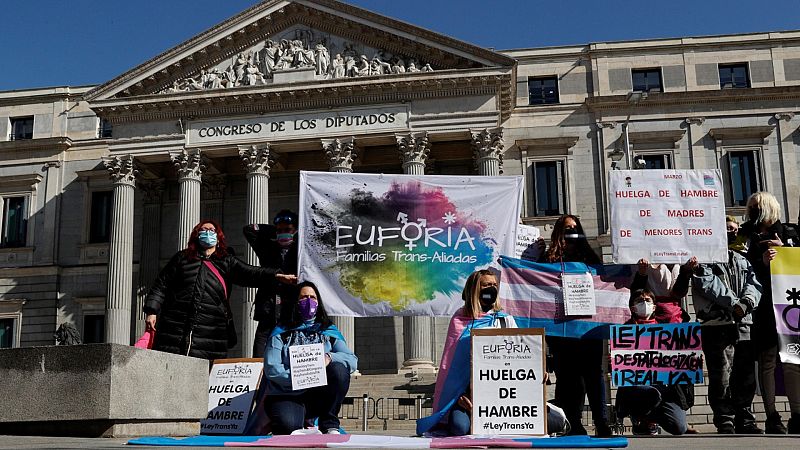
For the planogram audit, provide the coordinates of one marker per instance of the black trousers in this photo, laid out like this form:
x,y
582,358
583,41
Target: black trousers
x,y
578,365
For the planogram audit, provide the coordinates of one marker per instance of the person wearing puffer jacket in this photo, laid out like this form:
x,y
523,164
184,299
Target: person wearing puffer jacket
x,y
725,296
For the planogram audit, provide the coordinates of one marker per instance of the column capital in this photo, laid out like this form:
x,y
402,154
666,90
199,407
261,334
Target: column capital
x,y
786,116
488,144
341,153
257,159
188,163
695,120
152,190
121,169
414,147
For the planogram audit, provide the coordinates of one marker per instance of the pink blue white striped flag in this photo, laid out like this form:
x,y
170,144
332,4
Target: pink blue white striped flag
x,y
531,292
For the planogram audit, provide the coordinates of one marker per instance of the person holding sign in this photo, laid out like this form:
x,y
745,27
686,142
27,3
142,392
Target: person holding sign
x,y
653,406
189,299
306,349
764,231
578,363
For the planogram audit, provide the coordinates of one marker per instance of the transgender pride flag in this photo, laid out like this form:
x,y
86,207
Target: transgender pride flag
x,y
531,292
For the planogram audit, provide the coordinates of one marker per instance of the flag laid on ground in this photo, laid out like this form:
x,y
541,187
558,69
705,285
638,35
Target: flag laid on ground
x,y
531,292
785,271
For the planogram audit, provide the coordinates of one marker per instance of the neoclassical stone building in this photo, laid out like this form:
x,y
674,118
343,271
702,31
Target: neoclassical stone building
x,y
100,185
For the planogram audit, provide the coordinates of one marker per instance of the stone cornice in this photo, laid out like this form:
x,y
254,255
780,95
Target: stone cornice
x,y
49,145
27,181
620,102
255,24
731,133
311,95
645,137
48,95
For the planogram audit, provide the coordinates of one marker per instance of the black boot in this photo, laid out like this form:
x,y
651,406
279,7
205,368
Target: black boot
x,y
794,424
774,424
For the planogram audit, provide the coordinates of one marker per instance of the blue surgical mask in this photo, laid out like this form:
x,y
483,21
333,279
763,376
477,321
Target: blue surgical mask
x,y
207,238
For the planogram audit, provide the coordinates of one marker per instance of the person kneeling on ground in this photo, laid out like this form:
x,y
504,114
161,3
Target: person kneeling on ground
x,y
652,406
304,321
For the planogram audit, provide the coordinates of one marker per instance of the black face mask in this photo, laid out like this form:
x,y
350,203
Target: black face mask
x,y
731,237
488,296
753,213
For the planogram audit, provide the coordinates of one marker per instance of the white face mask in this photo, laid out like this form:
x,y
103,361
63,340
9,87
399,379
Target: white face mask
x,y
643,310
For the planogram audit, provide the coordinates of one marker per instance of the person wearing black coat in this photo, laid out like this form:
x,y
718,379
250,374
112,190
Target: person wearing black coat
x,y
189,298
276,247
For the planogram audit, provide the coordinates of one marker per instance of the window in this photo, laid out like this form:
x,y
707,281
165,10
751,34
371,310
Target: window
x,y
15,222
105,129
94,329
733,76
653,161
646,80
7,330
21,128
548,185
745,179
543,90
100,220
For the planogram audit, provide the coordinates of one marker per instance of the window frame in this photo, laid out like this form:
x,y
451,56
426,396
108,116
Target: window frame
x,y
722,66
26,217
757,171
104,129
667,157
90,215
12,309
562,188
90,306
12,132
646,70
544,98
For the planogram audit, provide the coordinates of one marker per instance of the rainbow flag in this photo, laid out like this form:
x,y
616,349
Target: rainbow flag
x,y
785,272
531,292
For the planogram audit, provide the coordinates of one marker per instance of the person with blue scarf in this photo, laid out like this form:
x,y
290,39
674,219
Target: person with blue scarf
x,y
304,321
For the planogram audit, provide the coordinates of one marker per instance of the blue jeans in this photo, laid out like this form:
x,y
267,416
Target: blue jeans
x,y
288,412
644,403
459,422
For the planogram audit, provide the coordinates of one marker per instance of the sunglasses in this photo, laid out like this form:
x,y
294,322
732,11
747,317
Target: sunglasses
x,y
283,219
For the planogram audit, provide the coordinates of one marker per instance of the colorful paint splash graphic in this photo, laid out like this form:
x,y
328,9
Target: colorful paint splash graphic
x,y
435,246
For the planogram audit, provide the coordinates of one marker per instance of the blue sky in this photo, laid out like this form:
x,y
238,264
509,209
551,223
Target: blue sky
x,y
79,42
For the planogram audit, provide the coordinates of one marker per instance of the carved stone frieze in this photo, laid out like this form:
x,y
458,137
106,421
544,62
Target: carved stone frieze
x,y
341,153
188,163
121,169
257,159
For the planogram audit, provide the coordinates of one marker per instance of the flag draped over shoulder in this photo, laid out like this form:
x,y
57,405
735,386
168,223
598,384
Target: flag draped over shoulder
x,y
531,292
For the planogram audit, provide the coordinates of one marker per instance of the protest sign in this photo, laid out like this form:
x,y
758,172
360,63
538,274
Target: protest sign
x,y
231,388
527,247
667,216
307,366
658,354
508,389
785,273
387,245
578,291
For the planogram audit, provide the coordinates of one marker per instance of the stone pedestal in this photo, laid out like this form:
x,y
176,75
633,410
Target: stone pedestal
x,y
98,390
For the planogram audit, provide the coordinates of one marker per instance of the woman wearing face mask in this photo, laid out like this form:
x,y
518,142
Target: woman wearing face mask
x,y
577,363
764,231
304,321
188,303
652,406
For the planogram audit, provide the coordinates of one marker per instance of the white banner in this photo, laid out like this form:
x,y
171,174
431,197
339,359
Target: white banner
x,y
387,245
508,389
667,216
231,388
527,247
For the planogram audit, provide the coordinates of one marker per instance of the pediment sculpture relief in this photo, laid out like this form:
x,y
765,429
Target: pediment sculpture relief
x,y
296,49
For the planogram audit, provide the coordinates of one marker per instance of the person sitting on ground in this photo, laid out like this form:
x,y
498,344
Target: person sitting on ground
x,y
305,321
652,406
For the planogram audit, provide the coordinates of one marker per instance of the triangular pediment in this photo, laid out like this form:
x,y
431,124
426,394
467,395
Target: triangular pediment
x,y
277,42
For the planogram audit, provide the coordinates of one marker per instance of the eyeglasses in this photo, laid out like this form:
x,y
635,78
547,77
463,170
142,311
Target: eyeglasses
x,y
208,229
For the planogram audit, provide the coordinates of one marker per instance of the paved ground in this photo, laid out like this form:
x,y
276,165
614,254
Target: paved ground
x,y
666,442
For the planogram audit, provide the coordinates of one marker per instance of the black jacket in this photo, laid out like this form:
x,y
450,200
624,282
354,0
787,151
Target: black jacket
x,y
190,303
262,238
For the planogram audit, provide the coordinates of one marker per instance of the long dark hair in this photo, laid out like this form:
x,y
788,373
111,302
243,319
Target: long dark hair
x,y
558,244
290,314
193,247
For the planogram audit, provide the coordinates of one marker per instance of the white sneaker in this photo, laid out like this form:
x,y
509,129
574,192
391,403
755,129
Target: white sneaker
x,y
303,431
333,431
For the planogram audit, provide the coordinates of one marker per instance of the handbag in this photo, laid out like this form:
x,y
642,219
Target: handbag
x,y
146,341
231,325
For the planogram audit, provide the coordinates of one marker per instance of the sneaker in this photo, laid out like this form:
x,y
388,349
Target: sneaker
x,y
333,431
726,429
645,428
774,424
750,428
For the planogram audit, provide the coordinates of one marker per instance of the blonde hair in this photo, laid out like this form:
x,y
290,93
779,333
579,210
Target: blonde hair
x,y
731,219
769,206
472,294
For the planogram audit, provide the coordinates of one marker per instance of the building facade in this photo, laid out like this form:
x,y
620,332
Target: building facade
x,y
100,185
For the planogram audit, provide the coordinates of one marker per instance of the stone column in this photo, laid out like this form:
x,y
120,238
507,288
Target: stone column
x,y
190,169
697,155
120,255
788,162
488,149
212,195
257,160
341,153
417,339
151,238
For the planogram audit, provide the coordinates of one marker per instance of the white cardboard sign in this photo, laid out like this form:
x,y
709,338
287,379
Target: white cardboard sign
x,y
578,291
307,366
232,385
508,390
526,243
667,216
